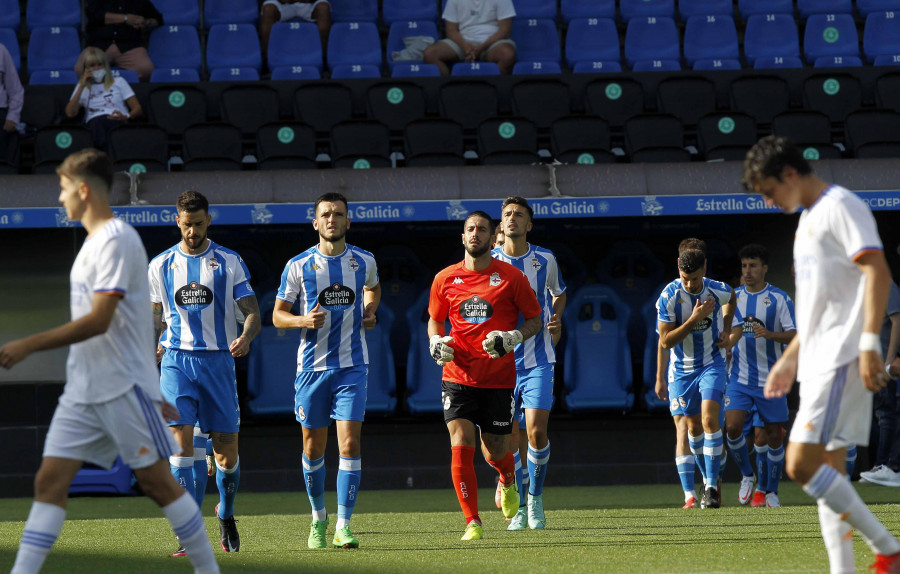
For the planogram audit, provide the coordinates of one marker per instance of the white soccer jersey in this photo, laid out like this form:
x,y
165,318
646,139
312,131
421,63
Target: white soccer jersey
x,y
698,349
107,366
336,283
197,293
831,235
539,266
752,357
478,19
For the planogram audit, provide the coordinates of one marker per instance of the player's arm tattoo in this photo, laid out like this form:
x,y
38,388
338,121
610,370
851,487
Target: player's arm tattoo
x,y
158,325
249,306
531,327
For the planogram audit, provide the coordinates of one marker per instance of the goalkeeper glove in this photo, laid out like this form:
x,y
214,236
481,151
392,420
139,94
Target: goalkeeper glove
x,y
498,343
441,352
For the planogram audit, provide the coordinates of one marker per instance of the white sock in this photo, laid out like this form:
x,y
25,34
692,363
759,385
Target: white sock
x,y
341,522
41,530
689,494
838,540
187,522
319,515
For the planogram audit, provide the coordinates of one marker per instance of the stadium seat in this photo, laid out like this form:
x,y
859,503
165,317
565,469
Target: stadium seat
x,y
686,98
175,47
651,38
838,62
710,38
11,42
403,277
286,145
688,8
212,147
771,35
53,48
405,29
475,69
405,10
10,15
536,40
396,103
644,8
361,144
726,136
592,39
597,356
873,133
614,100
655,138
233,46
217,12
703,65
887,92
423,376
272,365
407,70
468,103
174,75
48,77
748,8
296,73
866,7
762,98
810,129
657,66
345,71
55,13
835,95
597,67
381,387
881,35
830,35
249,106
354,43
92,479
40,109
139,147
536,68
323,105
887,60
179,12
233,75
295,44
535,9
354,10
175,108
541,101
507,141
580,139
651,347
433,143
778,63
52,144
571,9
807,8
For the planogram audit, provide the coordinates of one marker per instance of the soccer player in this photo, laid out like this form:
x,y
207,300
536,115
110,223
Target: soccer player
x,y
194,287
111,402
763,325
339,292
688,318
535,359
482,297
842,282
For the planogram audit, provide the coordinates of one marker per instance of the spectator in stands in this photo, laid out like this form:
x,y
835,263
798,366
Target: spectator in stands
x,y
12,96
476,30
108,101
117,27
316,11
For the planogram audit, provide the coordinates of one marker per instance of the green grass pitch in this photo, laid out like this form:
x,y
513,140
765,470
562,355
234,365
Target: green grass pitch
x,y
590,529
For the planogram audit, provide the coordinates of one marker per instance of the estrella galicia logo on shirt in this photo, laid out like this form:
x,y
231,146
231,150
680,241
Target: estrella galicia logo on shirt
x,y
702,325
337,297
194,296
476,310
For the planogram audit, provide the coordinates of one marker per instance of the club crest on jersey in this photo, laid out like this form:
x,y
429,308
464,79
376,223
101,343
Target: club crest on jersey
x,y
767,301
535,264
337,297
301,414
495,279
673,405
727,400
352,264
682,402
213,264
476,310
194,296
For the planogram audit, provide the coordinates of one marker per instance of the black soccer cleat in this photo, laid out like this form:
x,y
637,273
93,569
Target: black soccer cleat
x,y
228,534
711,496
181,551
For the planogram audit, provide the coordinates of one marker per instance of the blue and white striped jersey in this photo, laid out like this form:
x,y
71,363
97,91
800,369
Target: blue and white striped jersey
x,y
752,357
336,283
197,293
539,266
699,348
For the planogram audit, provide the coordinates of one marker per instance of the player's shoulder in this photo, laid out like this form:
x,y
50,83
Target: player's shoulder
x,y
118,233
497,253
841,200
164,256
215,248
354,251
779,292
506,269
543,252
671,289
717,285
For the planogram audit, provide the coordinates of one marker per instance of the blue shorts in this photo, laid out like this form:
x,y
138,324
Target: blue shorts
x,y
744,397
202,386
338,394
752,421
688,390
534,390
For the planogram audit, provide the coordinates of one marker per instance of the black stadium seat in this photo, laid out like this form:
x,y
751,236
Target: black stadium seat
x,y
686,98
468,102
760,97
873,133
361,144
541,101
249,106
53,144
139,144
579,139
433,143
810,129
323,105
835,95
396,103
614,100
655,138
726,135
286,145
507,141
212,147
175,108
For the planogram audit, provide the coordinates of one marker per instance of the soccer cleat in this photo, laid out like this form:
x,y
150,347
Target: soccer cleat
x,y
473,531
710,498
497,495
536,518
509,500
181,551
881,475
759,499
210,465
746,489
317,534
690,503
772,500
228,534
343,538
520,520
886,564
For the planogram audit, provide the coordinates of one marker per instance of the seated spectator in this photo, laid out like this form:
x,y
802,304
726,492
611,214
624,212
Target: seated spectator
x,y
118,28
476,30
108,101
12,96
317,11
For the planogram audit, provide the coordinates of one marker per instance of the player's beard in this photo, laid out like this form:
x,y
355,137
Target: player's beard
x,y
195,242
478,251
336,235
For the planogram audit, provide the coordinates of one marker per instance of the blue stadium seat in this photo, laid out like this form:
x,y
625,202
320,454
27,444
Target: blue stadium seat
x,y
42,13
296,73
536,40
651,38
748,8
381,389
771,35
535,9
712,65
830,35
423,376
536,68
688,8
592,39
571,9
175,47
272,365
866,7
230,12
354,43
10,16
295,44
180,12
412,70
95,480
887,60
51,77
344,71
598,360
11,42
597,67
233,46
404,29
406,10
233,75
170,75
129,76
657,66
643,8
53,48
807,8
881,36
475,69
710,38
777,63
354,10
838,62
649,314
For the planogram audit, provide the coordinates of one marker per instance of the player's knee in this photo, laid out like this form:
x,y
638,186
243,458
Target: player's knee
x,y
537,438
47,487
710,423
733,431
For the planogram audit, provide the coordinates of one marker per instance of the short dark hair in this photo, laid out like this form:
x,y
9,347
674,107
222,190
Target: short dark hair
x,y
330,197
192,201
479,213
691,243
769,157
516,200
88,164
754,251
690,260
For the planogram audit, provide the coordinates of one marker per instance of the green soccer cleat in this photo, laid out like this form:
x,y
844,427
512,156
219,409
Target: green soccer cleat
x,y
536,519
473,531
343,538
509,500
519,521
317,534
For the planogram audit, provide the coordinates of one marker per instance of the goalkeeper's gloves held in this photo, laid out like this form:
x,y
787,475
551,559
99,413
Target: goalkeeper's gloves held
x,y
441,352
498,343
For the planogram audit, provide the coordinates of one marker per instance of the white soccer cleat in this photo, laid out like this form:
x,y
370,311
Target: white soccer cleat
x,y
882,475
772,500
746,490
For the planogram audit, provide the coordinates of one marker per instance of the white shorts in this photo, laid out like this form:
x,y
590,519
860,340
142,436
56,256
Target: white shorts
x,y
295,11
130,425
835,410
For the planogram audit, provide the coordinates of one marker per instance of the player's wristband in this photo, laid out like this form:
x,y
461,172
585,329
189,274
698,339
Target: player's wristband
x,y
870,342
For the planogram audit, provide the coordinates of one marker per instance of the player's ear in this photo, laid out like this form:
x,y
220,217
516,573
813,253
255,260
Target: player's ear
x,y
208,218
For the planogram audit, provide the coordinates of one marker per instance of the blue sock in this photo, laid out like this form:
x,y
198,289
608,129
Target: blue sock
x,y
685,466
314,477
696,443
209,447
741,455
851,459
537,469
712,449
776,463
201,474
762,466
349,472
182,468
521,478
227,479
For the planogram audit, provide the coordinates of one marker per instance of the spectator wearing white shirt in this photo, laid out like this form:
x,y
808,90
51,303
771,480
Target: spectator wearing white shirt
x,y
477,30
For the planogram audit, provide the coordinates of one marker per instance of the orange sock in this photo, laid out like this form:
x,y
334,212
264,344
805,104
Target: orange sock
x,y
506,467
464,482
